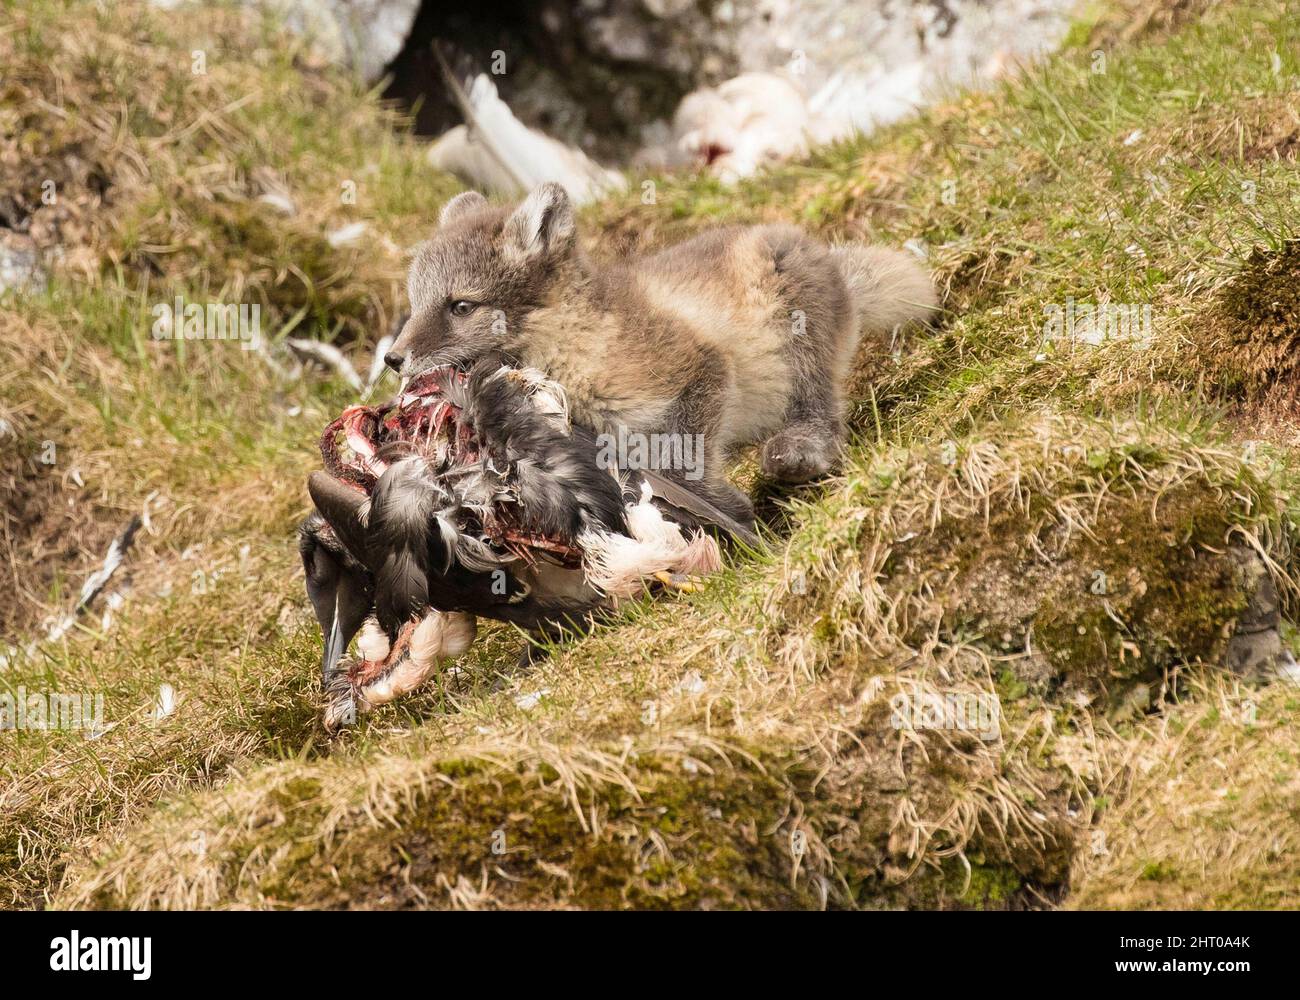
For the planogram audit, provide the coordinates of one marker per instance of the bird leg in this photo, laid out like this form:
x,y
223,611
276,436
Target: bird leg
x,y
682,582
421,645
363,672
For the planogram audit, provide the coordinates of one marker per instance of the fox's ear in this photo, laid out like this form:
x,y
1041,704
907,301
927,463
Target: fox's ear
x,y
467,201
542,226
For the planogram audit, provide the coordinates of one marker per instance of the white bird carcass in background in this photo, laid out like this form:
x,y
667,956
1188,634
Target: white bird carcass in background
x,y
495,151
753,120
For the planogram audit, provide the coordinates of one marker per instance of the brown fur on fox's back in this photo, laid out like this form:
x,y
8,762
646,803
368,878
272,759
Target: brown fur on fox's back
x,y
742,292
737,334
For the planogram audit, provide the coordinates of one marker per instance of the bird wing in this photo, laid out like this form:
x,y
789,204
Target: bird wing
x,y
341,507
697,507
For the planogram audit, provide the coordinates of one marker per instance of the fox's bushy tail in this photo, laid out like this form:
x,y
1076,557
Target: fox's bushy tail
x,y
888,287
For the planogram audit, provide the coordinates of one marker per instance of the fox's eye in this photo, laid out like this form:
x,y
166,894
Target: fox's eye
x,y
463,307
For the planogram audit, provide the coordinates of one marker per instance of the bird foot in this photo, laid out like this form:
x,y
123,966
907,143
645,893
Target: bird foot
x,y
421,646
340,702
683,582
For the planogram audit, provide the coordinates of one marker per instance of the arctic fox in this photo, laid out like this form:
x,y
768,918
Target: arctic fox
x,y
738,335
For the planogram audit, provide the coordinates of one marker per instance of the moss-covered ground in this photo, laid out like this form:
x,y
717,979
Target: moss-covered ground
x,y
985,666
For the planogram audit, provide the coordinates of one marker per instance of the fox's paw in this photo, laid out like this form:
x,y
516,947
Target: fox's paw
x,y
796,455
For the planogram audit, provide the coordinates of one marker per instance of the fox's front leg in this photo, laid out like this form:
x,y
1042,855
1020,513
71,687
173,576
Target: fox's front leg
x,y
809,444
698,413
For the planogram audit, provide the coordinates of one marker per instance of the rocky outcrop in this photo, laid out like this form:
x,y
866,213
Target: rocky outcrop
x,y
364,34
608,75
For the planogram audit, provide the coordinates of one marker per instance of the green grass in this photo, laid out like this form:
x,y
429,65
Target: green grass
x,y
737,748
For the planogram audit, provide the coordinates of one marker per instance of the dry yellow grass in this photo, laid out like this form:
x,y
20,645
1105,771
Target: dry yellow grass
x,y
752,747
799,734
1206,796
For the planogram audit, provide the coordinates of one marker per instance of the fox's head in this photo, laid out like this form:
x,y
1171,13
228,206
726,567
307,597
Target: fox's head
x,y
473,284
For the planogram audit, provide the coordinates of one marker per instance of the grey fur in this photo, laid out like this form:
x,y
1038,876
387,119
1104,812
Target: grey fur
x,y
741,334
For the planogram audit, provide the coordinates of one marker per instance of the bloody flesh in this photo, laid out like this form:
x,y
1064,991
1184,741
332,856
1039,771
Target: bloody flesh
x,y
422,418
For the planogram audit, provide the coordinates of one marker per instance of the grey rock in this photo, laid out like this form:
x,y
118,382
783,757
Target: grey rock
x,y
1256,645
20,264
363,34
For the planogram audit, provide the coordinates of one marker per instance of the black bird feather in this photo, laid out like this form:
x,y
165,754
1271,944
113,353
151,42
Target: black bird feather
x,y
472,493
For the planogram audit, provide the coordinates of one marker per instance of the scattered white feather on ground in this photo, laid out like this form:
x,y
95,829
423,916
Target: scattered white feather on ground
x,y
165,704
530,700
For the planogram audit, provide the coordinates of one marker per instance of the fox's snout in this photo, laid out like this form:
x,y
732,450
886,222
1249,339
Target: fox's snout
x,y
409,343
421,336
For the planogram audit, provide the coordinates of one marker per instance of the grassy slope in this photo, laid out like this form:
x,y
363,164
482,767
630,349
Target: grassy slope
x,y
735,748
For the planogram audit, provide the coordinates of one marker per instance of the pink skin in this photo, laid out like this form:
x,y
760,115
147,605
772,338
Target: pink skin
x,y
364,672
418,412
358,441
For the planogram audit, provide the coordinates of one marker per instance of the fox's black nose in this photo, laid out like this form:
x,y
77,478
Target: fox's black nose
x,y
394,360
